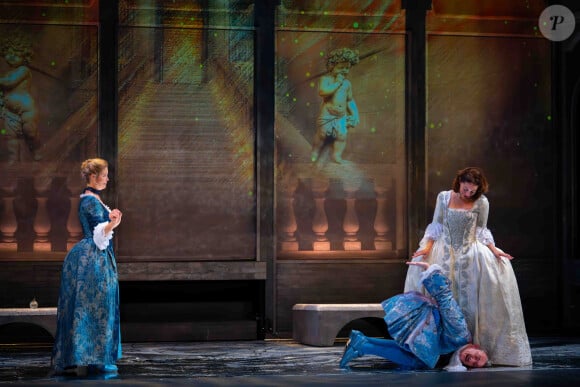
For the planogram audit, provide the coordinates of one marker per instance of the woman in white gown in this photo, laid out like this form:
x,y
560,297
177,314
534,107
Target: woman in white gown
x,y
483,281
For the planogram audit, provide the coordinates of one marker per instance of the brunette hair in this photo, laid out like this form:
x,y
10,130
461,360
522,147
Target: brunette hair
x,y
92,166
472,175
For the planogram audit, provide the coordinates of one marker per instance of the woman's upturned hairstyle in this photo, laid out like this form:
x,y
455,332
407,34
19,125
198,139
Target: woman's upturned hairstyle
x,y
92,166
471,175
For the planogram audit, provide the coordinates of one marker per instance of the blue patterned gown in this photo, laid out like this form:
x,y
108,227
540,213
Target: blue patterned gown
x,y
88,330
427,326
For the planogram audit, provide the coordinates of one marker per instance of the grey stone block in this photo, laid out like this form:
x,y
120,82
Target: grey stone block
x,y
318,324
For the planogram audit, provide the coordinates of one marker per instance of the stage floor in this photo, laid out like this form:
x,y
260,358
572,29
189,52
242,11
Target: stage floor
x,y
286,363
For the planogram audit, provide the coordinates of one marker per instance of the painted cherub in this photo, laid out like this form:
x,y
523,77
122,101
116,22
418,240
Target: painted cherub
x,y
338,112
17,106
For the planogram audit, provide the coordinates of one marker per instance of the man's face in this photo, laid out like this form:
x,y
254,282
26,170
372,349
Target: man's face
x,y
473,357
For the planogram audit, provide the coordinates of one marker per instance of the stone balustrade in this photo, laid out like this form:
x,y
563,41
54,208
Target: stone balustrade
x,y
325,212
38,208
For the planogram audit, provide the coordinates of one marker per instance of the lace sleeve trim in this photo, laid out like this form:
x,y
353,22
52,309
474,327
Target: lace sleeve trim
x,y
434,231
455,364
483,234
100,238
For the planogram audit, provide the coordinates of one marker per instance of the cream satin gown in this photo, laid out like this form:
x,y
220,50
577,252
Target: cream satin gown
x,y
484,287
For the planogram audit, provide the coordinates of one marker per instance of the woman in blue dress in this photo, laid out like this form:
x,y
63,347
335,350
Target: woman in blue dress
x,y
88,337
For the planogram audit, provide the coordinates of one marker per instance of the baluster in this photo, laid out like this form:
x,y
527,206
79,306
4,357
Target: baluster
x,y
381,225
288,218
8,222
350,223
73,225
41,224
320,221
8,225
400,211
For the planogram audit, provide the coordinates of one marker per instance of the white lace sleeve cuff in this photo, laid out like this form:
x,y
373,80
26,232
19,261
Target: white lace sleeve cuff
x,y
455,364
100,238
484,236
433,231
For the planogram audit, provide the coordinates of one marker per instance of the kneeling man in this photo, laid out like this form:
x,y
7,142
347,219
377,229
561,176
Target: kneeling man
x,y
423,328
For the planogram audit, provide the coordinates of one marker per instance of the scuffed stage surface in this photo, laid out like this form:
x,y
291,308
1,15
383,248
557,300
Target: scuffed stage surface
x,y
286,363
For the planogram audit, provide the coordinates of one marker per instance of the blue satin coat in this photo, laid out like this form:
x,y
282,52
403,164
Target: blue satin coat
x,y
427,326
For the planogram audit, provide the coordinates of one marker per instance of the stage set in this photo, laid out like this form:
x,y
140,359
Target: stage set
x,y
287,363
255,200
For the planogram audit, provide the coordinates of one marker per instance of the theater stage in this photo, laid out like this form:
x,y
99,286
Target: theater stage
x,y
284,363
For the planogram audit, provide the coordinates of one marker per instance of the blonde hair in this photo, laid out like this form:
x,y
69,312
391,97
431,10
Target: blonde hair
x,y
92,166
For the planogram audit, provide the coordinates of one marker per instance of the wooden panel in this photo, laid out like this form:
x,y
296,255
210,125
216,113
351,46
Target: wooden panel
x,y
167,271
189,331
371,282
20,282
334,282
